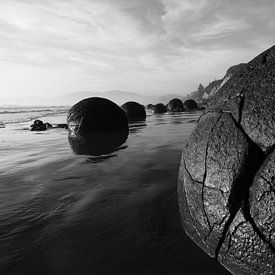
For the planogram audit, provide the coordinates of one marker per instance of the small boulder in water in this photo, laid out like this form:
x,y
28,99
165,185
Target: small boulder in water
x,y
39,125
159,108
175,105
150,106
190,105
134,111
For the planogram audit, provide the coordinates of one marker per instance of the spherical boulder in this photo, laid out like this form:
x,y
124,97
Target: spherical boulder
x,y
226,179
159,108
96,115
134,111
96,126
175,105
190,105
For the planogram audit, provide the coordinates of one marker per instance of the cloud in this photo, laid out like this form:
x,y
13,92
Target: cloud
x,y
154,42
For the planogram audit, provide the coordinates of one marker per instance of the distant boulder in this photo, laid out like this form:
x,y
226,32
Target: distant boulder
x,y
134,111
175,105
159,108
150,106
96,115
39,125
190,105
96,126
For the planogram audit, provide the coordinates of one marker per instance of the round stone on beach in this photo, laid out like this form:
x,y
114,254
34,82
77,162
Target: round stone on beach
x,y
96,115
134,111
159,108
175,105
190,105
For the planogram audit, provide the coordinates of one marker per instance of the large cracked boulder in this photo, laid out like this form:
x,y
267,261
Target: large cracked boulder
x,y
226,184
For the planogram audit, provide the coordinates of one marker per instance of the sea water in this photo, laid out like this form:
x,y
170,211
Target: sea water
x,y
63,213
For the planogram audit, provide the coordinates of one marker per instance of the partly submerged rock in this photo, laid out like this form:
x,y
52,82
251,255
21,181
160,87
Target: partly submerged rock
x,y
134,111
190,105
39,125
226,184
96,115
159,108
97,126
175,105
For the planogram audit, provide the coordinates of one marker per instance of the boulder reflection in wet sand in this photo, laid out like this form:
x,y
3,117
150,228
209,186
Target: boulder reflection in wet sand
x,y
97,144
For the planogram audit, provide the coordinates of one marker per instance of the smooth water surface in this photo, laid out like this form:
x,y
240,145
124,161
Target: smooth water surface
x,y
63,213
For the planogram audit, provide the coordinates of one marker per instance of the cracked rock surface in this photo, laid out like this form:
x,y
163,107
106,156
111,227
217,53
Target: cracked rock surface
x,y
226,184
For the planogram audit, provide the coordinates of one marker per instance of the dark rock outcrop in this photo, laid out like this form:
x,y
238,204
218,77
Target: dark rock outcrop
x,y
134,111
226,184
175,105
159,108
190,105
39,125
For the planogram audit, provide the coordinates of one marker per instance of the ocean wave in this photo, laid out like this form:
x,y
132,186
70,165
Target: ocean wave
x,y
25,115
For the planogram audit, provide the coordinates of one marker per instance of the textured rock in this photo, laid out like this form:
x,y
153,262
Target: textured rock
x,y
190,105
249,97
159,108
262,199
226,184
96,115
134,111
175,105
244,251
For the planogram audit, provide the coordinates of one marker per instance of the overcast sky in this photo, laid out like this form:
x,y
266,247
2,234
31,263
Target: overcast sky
x,y
146,46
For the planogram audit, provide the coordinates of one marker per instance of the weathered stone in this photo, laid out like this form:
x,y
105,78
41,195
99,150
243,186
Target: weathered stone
x,y
134,111
226,184
175,105
249,96
213,160
243,251
262,200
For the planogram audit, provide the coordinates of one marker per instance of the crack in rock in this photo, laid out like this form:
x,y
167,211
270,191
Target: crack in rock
x,y
227,182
